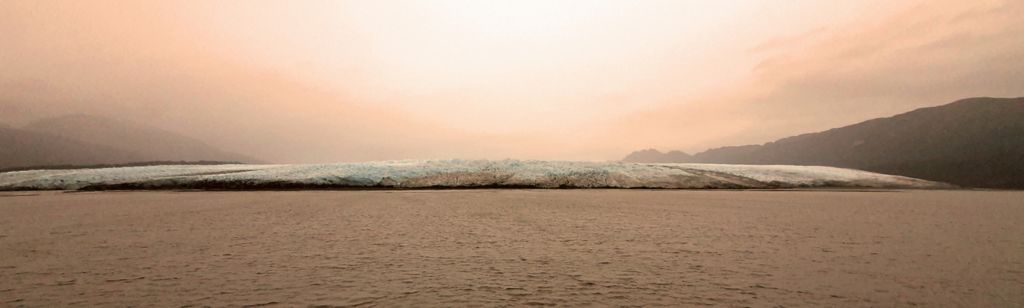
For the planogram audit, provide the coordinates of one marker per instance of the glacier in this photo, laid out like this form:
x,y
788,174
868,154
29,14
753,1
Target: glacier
x,y
440,174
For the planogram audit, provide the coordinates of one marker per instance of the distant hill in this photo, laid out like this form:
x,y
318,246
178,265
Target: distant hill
x,y
655,156
976,142
79,166
27,148
153,144
82,140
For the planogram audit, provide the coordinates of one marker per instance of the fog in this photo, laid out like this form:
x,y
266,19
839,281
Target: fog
x,y
327,81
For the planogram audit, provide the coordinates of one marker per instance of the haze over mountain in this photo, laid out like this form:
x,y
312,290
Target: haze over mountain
x,y
86,139
655,156
150,142
22,148
976,142
345,81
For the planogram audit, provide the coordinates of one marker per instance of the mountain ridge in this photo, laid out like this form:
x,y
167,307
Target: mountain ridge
x,y
153,143
28,148
973,142
82,140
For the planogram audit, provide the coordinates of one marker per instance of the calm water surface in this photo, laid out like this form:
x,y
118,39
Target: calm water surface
x,y
513,247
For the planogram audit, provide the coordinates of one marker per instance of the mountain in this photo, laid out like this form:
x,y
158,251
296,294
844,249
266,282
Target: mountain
x,y
975,142
654,156
150,143
27,148
84,140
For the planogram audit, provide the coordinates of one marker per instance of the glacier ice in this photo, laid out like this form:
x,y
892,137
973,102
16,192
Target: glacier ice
x,y
456,174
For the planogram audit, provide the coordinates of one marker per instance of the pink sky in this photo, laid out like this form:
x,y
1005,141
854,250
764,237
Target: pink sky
x,y
325,81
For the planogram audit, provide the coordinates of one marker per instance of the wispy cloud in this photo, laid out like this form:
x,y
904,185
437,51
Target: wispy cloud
x,y
931,54
331,81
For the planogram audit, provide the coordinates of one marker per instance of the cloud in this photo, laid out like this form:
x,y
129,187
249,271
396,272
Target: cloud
x,y
161,63
931,54
789,41
136,63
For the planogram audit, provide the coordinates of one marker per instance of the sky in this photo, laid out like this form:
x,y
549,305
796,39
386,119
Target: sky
x,y
333,81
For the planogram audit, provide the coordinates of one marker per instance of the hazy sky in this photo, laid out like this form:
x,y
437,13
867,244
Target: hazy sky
x,y
323,81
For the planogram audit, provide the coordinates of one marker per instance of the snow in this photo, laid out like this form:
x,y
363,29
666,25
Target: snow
x,y
456,174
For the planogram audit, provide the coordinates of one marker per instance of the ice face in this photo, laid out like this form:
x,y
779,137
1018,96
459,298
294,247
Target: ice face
x,y
456,174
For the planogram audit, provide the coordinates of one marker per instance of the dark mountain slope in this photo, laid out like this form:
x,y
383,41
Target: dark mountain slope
x,y
976,142
654,156
20,148
152,144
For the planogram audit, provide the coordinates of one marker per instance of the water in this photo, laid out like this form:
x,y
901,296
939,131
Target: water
x,y
513,247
